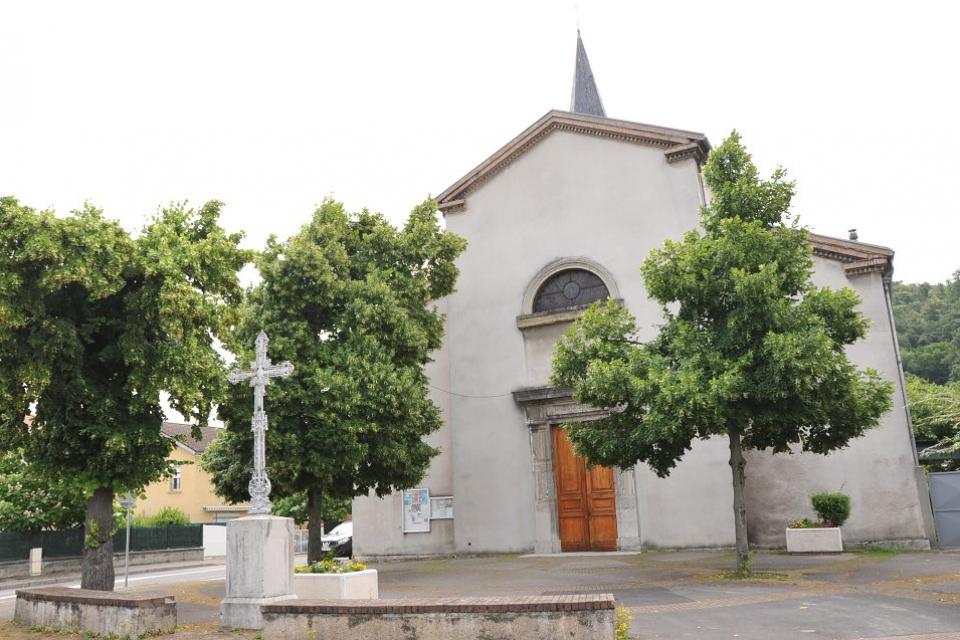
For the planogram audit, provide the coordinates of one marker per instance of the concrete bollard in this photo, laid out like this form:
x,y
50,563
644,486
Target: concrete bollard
x,y
36,561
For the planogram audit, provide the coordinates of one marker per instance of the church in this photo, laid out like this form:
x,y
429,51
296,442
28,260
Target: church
x,y
561,216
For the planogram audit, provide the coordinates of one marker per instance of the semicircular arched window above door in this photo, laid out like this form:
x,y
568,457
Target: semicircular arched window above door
x,y
569,288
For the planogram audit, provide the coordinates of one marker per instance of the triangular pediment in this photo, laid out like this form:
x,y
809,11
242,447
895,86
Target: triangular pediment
x,y
676,144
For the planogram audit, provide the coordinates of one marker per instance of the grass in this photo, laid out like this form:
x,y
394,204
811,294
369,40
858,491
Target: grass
x,y
754,575
878,551
624,618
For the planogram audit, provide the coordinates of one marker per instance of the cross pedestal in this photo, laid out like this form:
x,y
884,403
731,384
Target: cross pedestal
x,y
259,568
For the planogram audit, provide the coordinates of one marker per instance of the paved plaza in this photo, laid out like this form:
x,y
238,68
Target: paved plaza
x,y
676,595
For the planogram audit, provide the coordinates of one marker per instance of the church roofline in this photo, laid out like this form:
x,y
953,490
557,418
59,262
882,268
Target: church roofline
x,y
859,257
676,143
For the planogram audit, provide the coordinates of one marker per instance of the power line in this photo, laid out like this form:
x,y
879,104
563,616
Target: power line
x,y
466,395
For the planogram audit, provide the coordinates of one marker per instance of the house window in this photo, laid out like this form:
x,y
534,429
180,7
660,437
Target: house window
x,y
569,288
176,480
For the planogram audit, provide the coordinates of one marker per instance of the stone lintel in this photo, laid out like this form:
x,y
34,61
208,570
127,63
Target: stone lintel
x,y
554,405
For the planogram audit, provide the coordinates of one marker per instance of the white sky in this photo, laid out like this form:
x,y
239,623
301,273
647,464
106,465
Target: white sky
x,y
272,106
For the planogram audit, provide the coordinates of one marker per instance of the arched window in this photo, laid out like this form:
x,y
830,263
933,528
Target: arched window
x,y
569,288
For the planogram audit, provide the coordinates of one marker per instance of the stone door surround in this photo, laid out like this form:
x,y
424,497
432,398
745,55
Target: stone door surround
x,y
545,407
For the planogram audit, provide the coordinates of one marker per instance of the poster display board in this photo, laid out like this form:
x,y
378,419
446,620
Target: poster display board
x,y
441,508
416,510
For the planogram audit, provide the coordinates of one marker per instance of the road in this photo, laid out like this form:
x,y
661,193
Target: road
x,y
175,575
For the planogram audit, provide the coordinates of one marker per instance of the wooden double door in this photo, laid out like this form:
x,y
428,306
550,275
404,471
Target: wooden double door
x,y
586,500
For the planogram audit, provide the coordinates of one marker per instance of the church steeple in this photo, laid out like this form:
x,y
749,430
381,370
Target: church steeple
x,y
585,98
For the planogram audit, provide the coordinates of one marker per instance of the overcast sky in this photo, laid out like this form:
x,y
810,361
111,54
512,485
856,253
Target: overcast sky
x,y
275,105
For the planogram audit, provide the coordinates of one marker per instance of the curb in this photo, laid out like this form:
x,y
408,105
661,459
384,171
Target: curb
x,y
69,577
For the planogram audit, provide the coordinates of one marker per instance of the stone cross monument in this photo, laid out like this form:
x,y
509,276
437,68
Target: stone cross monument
x,y
259,545
259,374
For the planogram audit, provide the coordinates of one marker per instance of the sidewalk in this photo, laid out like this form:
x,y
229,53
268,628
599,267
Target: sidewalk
x,y
69,577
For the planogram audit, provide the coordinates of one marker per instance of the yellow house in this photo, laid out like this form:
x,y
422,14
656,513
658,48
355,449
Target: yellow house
x,y
191,489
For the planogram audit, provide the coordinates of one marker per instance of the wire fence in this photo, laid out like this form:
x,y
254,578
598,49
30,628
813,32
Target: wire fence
x,y
15,545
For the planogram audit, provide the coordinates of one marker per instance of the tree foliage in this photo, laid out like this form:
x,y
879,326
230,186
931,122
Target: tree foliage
x,y
31,502
928,328
935,410
94,325
347,300
749,348
296,506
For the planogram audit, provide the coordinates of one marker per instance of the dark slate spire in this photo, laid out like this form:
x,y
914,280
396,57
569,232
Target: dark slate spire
x,y
585,98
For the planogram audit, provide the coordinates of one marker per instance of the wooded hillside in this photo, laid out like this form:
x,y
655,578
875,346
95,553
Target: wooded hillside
x,y
928,327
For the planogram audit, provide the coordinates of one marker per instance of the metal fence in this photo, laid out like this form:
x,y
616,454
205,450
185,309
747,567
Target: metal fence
x,y
301,538
15,545
945,497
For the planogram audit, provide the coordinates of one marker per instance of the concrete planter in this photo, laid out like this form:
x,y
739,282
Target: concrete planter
x,y
356,585
822,540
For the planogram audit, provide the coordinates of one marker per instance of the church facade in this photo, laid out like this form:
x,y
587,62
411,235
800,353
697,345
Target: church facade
x,y
563,215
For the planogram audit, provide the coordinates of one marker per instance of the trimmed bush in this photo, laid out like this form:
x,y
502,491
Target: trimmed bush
x,y
833,508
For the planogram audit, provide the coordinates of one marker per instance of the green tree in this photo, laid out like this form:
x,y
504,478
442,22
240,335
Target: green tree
x,y
32,502
94,325
928,328
749,349
347,300
935,410
228,461
335,511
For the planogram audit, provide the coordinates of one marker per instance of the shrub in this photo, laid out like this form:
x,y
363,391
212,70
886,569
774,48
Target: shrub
x,y
833,508
166,517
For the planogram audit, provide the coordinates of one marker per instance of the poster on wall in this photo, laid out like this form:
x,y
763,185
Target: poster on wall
x,y
441,508
416,510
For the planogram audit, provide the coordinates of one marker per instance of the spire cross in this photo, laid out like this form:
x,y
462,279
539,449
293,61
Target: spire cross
x,y
259,374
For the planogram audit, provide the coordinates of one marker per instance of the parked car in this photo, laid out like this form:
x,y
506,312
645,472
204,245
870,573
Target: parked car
x,y
340,540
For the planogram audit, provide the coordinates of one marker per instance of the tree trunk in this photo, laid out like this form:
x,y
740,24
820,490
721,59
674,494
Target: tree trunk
x,y
314,524
97,572
738,465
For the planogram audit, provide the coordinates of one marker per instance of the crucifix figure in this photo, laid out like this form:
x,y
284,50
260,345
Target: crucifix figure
x,y
259,374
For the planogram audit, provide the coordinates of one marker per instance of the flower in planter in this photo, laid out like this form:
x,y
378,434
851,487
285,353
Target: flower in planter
x,y
803,523
329,565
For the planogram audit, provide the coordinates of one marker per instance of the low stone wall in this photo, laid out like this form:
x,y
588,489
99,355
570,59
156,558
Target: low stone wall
x,y
98,612
578,617
54,566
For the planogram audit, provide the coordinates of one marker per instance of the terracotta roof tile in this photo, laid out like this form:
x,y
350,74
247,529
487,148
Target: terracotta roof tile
x,y
182,433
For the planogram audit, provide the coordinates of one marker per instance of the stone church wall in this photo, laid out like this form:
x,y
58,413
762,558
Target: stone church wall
x,y
877,470
378,522
575,196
